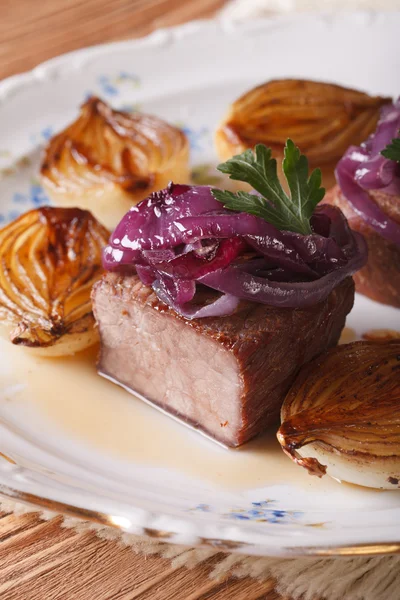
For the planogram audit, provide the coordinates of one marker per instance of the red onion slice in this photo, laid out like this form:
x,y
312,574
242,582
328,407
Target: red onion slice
x,y
175,291
363,169
222,306
247,286
193,267
181,236
363,204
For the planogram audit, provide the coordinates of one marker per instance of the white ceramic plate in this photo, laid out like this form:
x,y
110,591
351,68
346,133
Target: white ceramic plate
x,y
79,444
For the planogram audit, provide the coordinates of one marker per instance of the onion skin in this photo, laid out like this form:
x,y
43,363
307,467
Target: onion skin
x,y
49,260
106,160
342,415
322,118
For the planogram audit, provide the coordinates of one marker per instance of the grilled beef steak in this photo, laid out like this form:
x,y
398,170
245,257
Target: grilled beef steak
x,y
226,376
380,278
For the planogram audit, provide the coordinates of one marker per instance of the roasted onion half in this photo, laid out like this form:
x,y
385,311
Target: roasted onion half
x,y
342,415
323,119
49,260
107,160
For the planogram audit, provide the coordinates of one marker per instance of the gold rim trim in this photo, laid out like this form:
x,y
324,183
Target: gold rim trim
x,y
7,458
369,549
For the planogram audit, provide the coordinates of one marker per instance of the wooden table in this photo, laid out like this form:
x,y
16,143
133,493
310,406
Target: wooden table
x,y
39,560
32,31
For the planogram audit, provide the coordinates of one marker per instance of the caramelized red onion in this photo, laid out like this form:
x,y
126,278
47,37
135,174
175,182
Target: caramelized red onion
x,y
181,237
363,169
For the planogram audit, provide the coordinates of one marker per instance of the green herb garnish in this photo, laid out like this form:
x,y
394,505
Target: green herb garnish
x,y
258,169
392,150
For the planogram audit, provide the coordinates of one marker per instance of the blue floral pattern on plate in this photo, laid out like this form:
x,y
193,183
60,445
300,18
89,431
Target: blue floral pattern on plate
x,y
23,202
111,85
260,512
263,512
196,136
42,136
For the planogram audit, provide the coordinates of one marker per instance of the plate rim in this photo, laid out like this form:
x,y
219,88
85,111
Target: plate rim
x,y
100,518
50,68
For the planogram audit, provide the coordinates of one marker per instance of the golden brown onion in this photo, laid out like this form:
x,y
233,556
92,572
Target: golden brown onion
x,y
321,118
342,415
108,160
381,335
49,260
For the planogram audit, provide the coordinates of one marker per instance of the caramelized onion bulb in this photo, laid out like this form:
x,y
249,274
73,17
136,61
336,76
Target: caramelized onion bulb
x,y
342,415
108,160
323,119
49,260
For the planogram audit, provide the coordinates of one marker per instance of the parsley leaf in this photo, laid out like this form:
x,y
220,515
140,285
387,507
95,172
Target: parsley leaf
x,y
392,151
259,169
249,203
